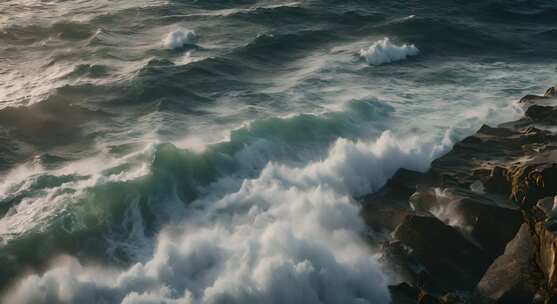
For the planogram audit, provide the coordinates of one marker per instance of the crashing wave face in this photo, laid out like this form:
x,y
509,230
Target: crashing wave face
x,y
384,51
294,229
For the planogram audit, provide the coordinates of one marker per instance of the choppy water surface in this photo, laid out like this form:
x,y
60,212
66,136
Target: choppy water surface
x,y
212,151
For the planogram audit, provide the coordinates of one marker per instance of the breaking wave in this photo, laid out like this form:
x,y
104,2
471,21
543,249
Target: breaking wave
x,y
384,51
179,38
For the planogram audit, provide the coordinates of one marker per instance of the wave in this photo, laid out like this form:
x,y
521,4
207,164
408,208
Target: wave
x,y
287,228
63,30
438,36
384,51
272,48
179,38
88,70
249,10
521,11
179,183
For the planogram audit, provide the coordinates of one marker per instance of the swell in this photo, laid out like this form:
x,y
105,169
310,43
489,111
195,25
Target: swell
x,y
539,12
64,30
43,126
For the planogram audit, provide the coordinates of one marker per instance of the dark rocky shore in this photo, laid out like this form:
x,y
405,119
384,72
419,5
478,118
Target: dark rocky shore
x,y
479,226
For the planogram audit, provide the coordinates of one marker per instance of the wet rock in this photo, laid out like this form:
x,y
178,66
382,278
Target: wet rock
x,y
384,210
534,180
424,199
482,217
397,264
547,256
477,217
426,298
383,218
497,181
404,293
514,276
451,260
542,114
492,227
546,205
551,92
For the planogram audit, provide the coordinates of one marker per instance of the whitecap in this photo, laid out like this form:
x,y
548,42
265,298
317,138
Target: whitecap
x,y
384,51
290,228
179,38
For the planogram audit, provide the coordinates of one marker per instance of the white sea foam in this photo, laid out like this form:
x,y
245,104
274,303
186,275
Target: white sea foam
x,y
179,38
290,229
384,51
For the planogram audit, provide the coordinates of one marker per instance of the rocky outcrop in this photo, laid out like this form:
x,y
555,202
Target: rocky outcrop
x,y
478,227
514,276
450,259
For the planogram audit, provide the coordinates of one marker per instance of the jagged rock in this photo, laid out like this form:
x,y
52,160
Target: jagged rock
x,y
386,208
396,262
490,226
383,218
542,114
424,199
514,276
451,260
546,205
404,293
547,256
534,180
535,99
397,189
497,181
551,92
426,298
512,164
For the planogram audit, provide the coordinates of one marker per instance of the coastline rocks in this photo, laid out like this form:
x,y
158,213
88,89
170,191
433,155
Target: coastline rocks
x,y
490,226
451,260
514,276
479,226
533,99
534,180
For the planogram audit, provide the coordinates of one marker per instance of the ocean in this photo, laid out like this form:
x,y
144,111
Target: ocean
x,y
173,151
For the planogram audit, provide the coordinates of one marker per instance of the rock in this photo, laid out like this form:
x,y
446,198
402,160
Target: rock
x,y
454,228
497,181
489,225
383,218
451,260
551,92
424,199
492,227
546,205
426,298
542,114
394,258
547,256
530,99
404,293
536,99
514,276
534,180
385,209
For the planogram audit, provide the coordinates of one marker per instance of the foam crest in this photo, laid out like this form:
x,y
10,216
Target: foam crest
x,y
290,228
384,51
179,38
